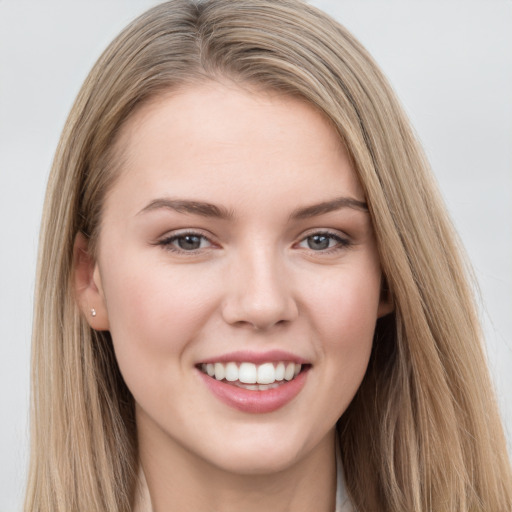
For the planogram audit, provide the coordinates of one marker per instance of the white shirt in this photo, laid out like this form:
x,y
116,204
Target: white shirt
x,y
342,501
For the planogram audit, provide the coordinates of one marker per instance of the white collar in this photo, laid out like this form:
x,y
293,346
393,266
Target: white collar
x,y
343,503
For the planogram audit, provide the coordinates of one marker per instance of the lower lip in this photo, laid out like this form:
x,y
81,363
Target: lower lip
x,y
256,402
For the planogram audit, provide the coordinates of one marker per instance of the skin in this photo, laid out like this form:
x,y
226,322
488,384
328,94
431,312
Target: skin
x,y
256,282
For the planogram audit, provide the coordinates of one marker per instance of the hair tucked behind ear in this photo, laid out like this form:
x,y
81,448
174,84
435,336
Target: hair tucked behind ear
x,y
423,432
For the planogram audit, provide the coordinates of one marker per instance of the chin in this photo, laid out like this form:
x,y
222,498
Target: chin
x,y
259,455
257,463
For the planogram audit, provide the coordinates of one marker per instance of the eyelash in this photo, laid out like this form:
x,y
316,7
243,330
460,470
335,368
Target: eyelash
x,y
341,243
167,243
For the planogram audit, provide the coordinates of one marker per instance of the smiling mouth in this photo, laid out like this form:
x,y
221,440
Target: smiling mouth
x,y
254,377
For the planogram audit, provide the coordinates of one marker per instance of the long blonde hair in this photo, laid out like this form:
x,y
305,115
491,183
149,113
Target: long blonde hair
x,y
423,431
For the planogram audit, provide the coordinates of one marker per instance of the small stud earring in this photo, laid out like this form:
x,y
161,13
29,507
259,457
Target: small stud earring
x,y
93,312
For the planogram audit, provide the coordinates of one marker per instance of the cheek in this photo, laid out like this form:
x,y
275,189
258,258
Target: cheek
x,y
344,314
345,304
155,313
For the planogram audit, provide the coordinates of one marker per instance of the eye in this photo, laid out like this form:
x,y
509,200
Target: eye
x,y
323,241
185,242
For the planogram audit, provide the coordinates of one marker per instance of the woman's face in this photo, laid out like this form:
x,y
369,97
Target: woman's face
x,y
236,241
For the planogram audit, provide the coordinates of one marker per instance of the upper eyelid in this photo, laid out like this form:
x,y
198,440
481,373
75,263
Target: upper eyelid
x,y
207,234
325,231
211,238
186,231
343,240
168,243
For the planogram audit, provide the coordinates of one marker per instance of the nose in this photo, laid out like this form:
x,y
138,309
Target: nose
x,y
259,292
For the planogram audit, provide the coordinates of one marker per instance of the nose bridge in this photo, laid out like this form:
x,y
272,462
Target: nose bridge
x,y
259,290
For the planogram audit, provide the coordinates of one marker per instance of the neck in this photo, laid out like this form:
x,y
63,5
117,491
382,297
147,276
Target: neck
x,y
180,480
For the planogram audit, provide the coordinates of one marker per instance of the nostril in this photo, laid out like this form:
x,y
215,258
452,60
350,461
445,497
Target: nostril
x,y
259,315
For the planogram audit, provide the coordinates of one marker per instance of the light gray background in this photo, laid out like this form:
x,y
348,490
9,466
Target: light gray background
x,y
449,61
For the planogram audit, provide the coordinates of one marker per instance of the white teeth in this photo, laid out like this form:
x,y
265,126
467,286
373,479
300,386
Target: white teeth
x,y
247,373
231,372
264,387
220,371
288,373
266,373
280,372
262,376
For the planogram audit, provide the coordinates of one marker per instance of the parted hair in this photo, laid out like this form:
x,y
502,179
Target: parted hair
x,y
423,432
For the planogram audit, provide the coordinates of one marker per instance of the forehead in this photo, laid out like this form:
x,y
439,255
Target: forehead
x,y
219,139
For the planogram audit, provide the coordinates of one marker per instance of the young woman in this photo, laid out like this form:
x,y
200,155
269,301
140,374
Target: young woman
x,y
249,294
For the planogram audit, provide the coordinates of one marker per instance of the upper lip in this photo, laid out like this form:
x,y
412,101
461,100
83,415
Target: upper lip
x,y
246,356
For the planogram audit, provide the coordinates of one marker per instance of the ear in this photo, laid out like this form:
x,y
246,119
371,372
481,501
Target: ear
x,y
386,303
88,288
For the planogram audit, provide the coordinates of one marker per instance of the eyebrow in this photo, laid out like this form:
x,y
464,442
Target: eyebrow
x,y
329,206
186,206
211,210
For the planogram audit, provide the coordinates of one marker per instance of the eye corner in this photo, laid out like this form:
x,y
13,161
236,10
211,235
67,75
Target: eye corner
x,y
324,242
186,242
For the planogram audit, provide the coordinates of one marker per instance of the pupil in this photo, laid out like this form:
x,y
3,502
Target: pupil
x,y
189,242
318,242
